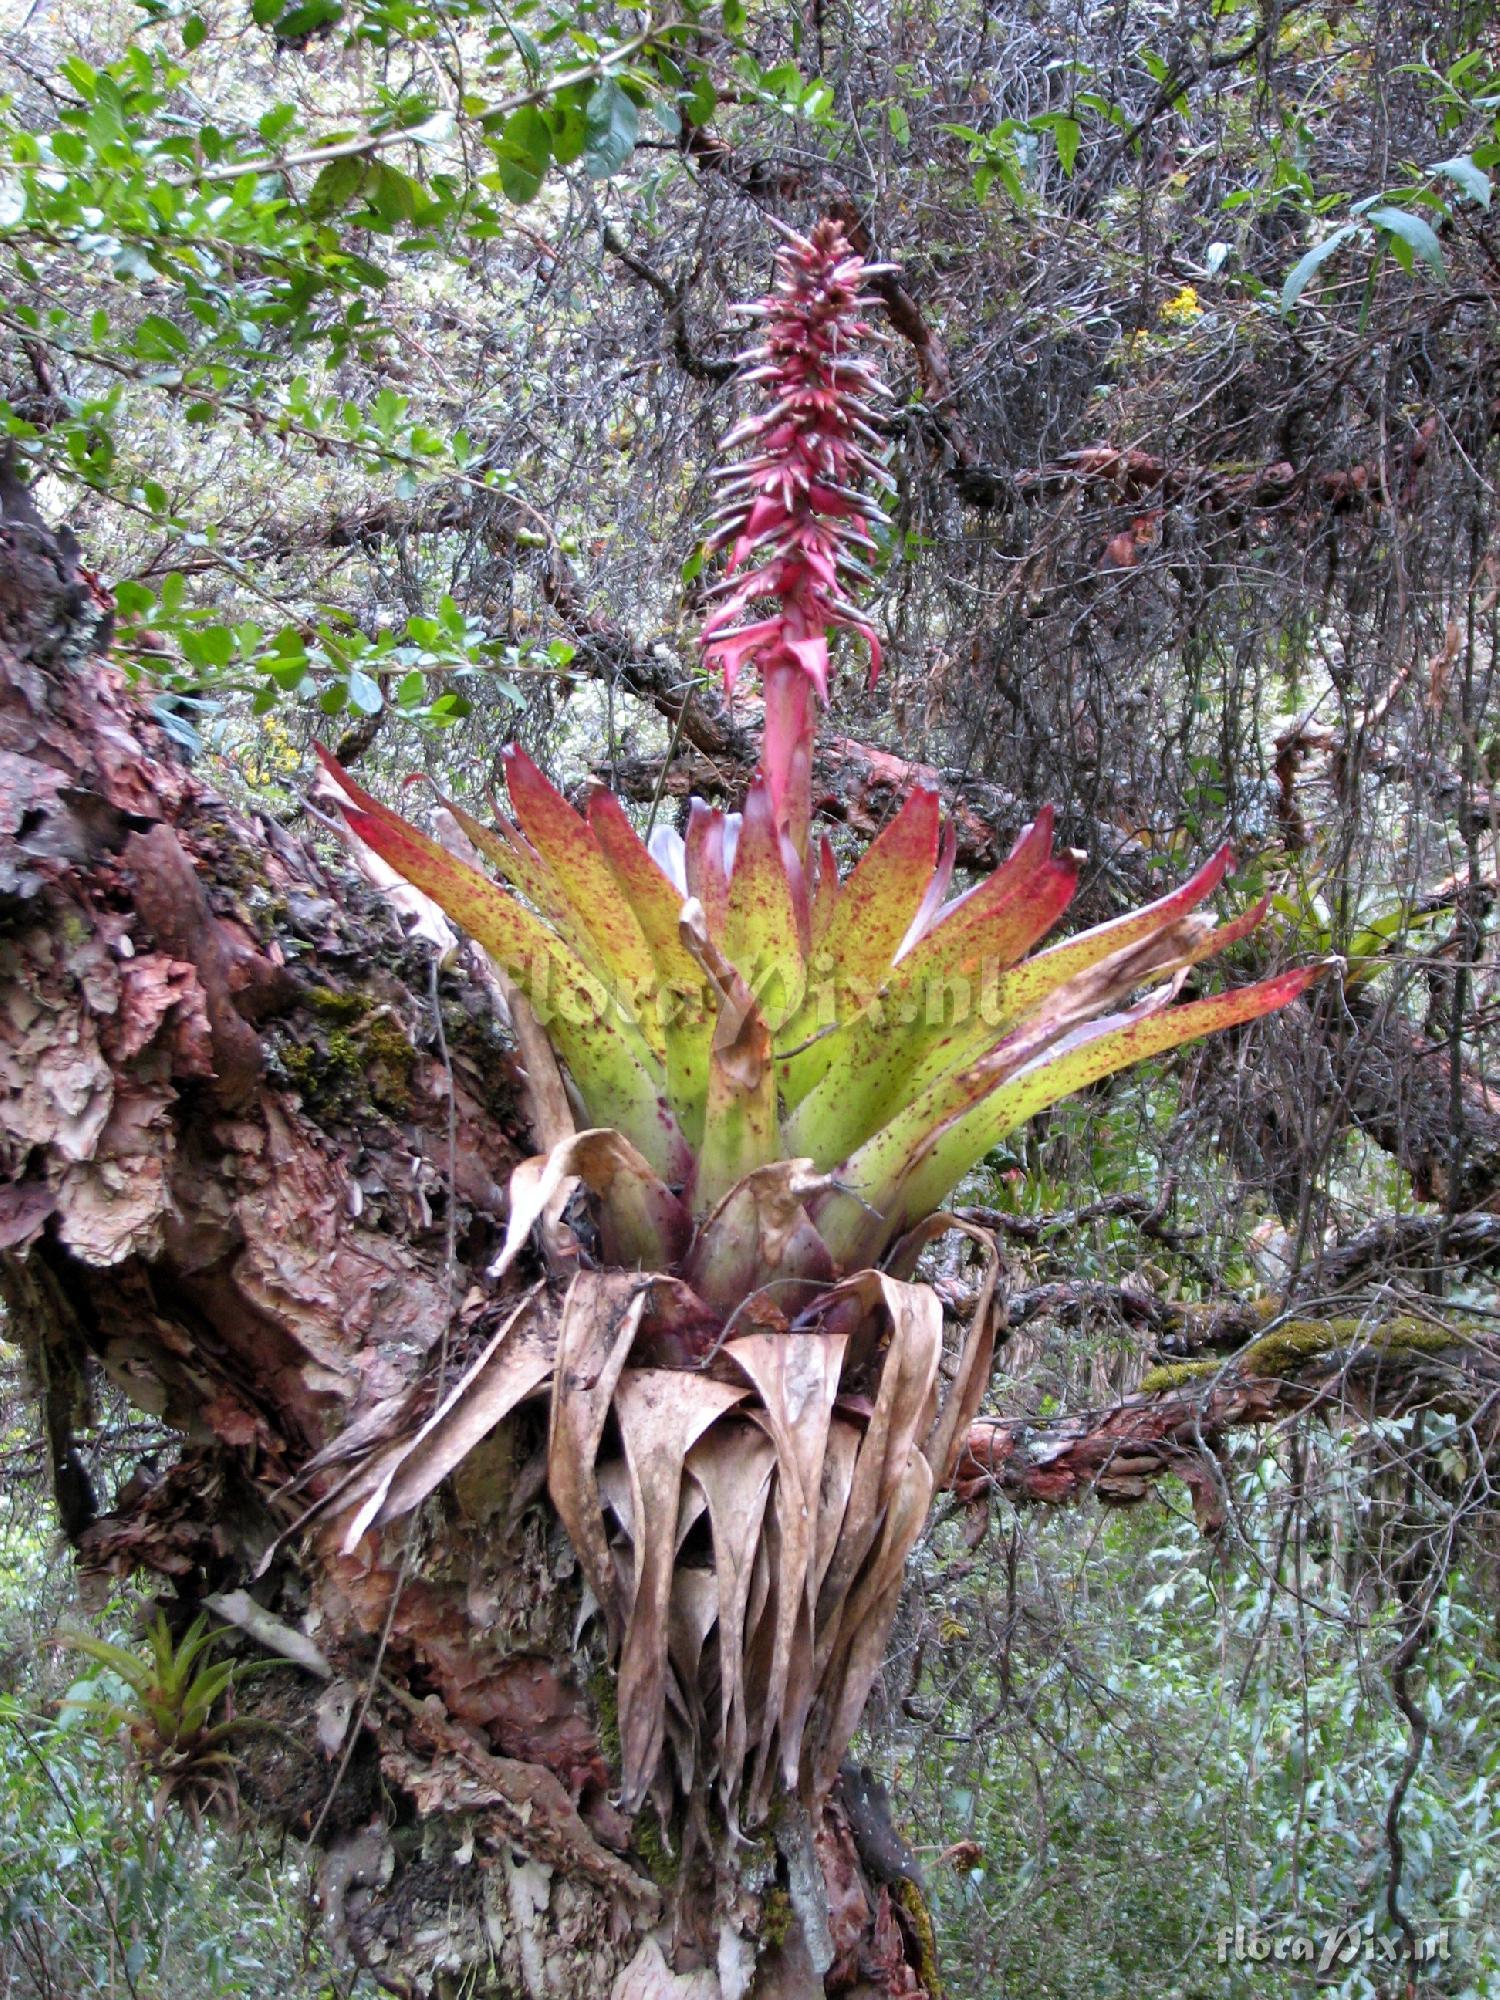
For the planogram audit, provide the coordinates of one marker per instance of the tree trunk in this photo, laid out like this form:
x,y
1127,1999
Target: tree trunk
x,y
256,1144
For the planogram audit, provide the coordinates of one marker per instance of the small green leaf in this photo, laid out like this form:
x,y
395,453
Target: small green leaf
x,y
1066,133
611,123
699,103
531,137
274,127
522,152
307,19
1309,265
1467,174
1411,231
212,646
338,182
364,693
159,338
569,131
394,196
899,123
194,32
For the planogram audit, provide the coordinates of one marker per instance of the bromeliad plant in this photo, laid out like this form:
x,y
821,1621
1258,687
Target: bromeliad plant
x,y
781,1074
178,1737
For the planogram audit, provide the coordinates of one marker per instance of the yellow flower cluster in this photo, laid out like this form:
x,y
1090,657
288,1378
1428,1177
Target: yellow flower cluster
x,y
1183,308
277,755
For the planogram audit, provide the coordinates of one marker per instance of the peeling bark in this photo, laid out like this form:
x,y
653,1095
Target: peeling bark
x,y
255,1144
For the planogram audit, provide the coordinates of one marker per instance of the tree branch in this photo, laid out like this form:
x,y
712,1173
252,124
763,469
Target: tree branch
x,y
700,367
1183,1415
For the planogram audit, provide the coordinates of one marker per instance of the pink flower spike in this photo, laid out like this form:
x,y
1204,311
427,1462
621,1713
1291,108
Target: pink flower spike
x,y
793,514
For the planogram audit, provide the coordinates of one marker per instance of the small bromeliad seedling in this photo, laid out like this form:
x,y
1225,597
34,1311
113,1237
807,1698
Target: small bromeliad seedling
x,y
782,1072
178,1736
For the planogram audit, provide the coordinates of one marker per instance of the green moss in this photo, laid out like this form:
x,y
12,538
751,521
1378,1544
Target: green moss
x,y
775,1916
1417,1337
914,1904
1175,1374
353,1060
327,1072
1302,1340
390,1064
272,918
237,861
336,1006
1195,1315
649,1844
605,1696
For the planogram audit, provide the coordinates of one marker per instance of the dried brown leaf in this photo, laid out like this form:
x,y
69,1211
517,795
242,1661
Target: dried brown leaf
x,y
759,1232
643,1222
732,1465
599,1320
904,1408
797,1378
691,1614
966,1391
866,1626
508,1372
839,1460
661,1413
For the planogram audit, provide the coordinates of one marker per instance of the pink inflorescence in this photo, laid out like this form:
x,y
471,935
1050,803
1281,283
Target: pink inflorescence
x,y
795,517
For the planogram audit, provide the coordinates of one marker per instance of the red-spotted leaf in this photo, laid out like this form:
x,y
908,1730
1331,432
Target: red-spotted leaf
x,y
934,1010
907,1170
707,862
762,929
611,1065
682,1001
740,1129
865,927
566,843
